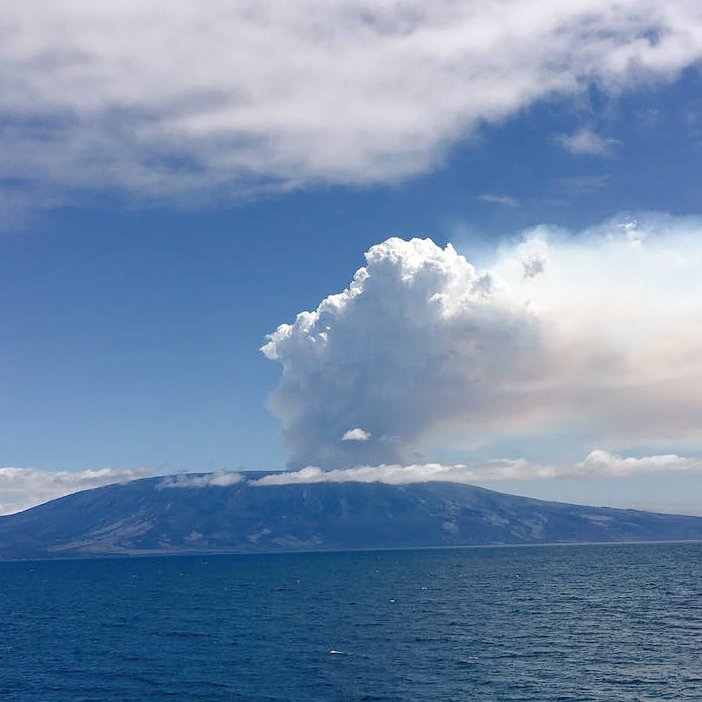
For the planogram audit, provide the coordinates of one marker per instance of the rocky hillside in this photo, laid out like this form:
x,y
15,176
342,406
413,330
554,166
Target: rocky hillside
x,y
147,517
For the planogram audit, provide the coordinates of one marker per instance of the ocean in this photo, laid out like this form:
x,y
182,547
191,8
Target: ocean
x,y
597,622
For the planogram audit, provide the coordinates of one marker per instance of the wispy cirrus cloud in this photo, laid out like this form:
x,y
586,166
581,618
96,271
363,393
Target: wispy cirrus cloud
x,y
188,102
581,185
504,200
586,142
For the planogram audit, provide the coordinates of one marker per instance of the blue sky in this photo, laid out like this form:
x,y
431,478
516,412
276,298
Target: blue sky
x,y
150,242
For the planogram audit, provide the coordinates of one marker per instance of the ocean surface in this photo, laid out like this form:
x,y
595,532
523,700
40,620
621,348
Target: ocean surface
x,y
605,622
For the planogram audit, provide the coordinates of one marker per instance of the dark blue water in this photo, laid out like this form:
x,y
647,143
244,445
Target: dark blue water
x,y
555,623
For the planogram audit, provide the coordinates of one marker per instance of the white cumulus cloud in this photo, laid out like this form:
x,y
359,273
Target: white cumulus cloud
x,y
596,335
357,434
182,98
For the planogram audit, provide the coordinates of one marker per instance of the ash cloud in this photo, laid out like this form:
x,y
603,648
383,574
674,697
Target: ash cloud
x,y
418,337
594,335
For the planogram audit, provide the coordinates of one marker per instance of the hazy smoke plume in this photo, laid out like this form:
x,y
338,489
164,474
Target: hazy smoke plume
x,y
597,334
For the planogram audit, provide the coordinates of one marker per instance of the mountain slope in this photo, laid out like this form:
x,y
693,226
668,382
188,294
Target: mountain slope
x,y
144,517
